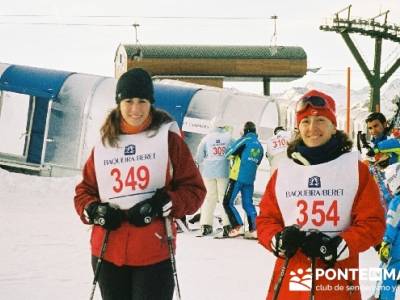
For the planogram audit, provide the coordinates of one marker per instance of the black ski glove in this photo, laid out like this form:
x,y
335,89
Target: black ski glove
x,y
334,250
104,214
143,213
317,244
312,243
286,242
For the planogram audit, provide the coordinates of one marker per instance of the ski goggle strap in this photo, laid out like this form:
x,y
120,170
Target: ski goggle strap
x,y
314,101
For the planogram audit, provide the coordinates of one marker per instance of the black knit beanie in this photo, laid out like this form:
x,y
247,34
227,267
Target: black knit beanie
x,y
135,83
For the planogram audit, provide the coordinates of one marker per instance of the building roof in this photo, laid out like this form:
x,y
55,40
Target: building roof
x,y
33,81
215,52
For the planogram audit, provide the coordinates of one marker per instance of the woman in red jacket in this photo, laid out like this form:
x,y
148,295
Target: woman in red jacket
x,y
140,173
320,210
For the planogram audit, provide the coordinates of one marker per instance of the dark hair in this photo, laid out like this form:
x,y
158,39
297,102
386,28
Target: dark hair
x,y
277,129
346,142
376,116
111,129
249,127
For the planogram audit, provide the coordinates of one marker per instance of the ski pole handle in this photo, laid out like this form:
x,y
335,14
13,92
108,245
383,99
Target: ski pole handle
x,y
168,228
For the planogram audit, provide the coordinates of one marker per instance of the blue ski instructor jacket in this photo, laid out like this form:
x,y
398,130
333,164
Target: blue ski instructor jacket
x,y
247,153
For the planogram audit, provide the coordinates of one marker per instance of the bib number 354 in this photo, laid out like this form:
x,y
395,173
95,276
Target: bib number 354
x,y
318,212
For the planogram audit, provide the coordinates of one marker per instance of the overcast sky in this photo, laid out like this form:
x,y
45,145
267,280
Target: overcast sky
x,y
82,36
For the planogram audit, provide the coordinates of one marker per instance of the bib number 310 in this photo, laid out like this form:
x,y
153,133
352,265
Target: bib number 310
x,y
139,176
318,213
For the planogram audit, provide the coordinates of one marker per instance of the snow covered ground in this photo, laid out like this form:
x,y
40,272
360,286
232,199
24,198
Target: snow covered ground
x,y
45,250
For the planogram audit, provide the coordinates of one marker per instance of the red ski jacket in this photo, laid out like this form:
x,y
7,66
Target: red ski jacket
x,y
365,230
140,246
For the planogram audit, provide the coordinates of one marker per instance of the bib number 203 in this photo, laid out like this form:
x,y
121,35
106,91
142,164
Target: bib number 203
x,y
135,177
318,213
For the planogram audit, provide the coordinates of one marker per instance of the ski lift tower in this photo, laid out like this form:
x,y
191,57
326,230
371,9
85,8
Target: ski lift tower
x,y
376,30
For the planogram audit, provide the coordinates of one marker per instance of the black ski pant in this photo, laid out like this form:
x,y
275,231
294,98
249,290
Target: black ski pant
x,y
153,282
226,203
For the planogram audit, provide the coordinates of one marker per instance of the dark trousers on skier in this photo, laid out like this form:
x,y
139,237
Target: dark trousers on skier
x,y
246,190
154,282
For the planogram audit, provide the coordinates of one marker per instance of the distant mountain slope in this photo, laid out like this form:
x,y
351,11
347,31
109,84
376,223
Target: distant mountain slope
x,y
359,98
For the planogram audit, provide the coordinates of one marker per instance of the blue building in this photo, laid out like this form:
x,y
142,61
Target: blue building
x,y
50,120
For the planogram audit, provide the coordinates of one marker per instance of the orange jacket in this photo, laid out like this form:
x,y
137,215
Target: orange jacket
x,y
366,230
139,246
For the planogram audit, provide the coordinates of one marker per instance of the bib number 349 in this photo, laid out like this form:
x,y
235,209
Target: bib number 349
x,y
318,212
139,176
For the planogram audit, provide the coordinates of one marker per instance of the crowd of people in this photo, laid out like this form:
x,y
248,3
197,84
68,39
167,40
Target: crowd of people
x,y
141,176
229,167
383,160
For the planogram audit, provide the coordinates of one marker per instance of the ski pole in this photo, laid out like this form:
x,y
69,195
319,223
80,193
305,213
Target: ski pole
x,y
288,256
313,266
379,283
170,237
99,263
278,284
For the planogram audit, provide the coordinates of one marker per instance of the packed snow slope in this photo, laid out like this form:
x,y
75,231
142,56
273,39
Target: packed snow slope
x,y
45,250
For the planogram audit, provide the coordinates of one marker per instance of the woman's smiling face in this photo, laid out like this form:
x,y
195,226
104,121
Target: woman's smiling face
x,y
135,110
316,130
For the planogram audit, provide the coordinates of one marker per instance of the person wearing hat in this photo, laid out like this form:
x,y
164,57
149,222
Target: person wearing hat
x,y
246,154
214,167
320,209
139,173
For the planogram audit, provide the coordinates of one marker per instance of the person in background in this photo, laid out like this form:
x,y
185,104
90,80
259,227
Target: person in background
x,y
313,218
138,174
246,154
383,150
377,127
276,147
389,251
214,168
